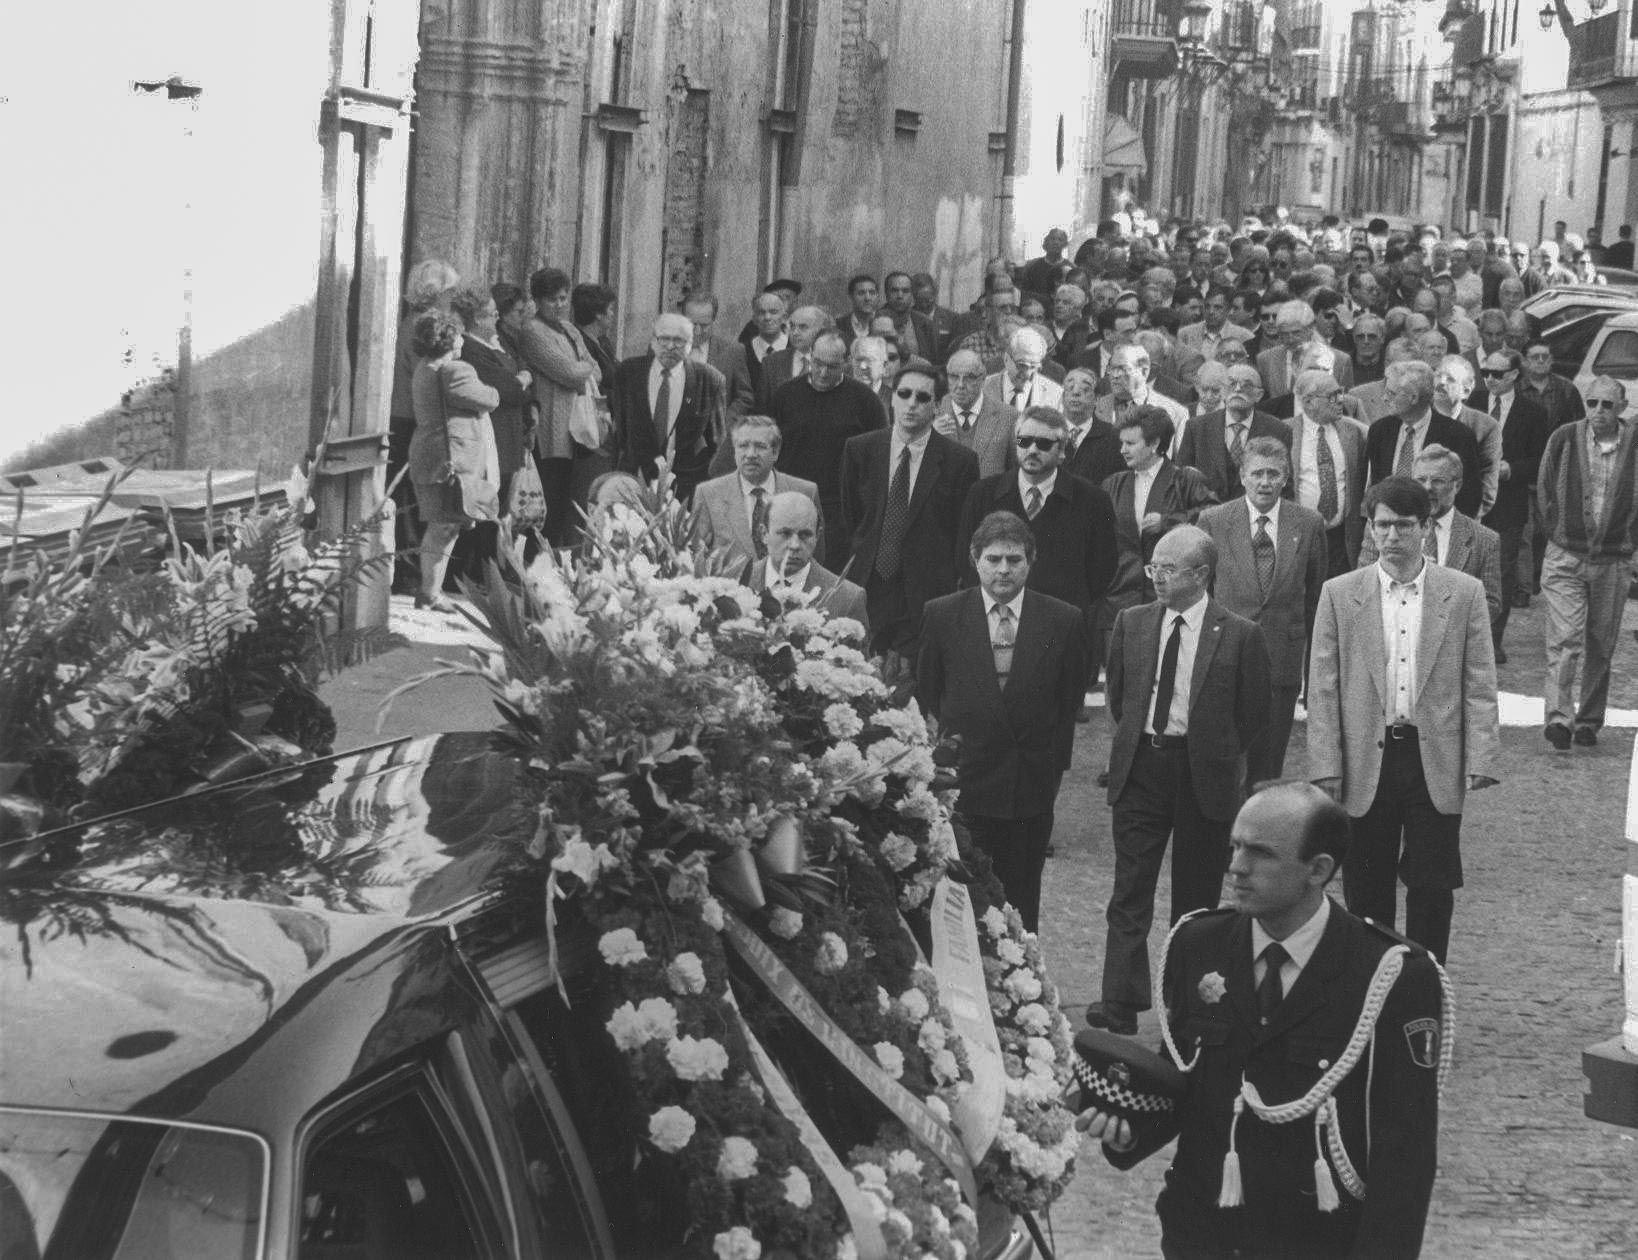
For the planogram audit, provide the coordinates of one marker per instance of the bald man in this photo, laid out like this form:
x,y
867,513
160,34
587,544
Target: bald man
x,y
667,406
790,574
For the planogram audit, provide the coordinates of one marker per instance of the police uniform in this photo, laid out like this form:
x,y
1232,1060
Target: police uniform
x,y
1386,1107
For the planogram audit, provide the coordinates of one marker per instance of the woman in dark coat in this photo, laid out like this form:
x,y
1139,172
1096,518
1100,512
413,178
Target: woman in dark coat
x,y
496,368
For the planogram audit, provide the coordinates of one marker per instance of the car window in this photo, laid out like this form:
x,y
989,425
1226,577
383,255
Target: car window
x,y
1570,342
1565,313
385,1184
1618,356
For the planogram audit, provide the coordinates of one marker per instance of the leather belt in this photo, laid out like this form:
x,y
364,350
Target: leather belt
x,y
1166,743
1401,730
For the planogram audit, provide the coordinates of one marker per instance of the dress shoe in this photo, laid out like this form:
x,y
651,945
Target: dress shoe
x,y
1501,655
1103,776
1558,735
1112,1017
1586,737
1084,714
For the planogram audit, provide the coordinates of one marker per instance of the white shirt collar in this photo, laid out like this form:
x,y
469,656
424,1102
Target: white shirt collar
x,y
1045,487
1015,605
1302,943
746,489
797,581
1273,514
917,443
1388,580
1193,616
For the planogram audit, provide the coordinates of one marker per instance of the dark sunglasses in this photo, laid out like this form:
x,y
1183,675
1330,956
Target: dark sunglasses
x,y
1040,443
1494,372
920,395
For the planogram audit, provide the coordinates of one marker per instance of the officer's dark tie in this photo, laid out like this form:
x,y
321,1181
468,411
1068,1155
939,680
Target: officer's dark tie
x,y
1272,988
894,520
759,521
1262,549
1168,677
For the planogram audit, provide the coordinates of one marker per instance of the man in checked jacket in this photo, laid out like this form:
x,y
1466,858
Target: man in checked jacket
x,y
1263,998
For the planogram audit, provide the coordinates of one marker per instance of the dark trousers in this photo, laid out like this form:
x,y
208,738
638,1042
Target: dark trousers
x,y
1512,539
893,626
562,513
1017,850
1265,759
1336,552
406,541
1402,836
1157,804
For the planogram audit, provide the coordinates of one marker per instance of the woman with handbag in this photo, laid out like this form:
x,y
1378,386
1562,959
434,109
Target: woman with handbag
x,y
452,458
563,368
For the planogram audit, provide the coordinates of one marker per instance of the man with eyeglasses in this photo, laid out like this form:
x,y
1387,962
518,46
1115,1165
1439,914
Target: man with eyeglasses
x,y
1562,403
1588,489
989,341
1392,443
1524,431
1402,716
1020,384
1072,521
972,417
1328,466
1188,693
1129,378
818,413
902,493
1215,442
666,406
1279,364
1117,327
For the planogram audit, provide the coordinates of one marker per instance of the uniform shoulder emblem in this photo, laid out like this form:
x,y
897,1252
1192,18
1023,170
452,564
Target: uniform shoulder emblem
x,y
1391,937
1422,1040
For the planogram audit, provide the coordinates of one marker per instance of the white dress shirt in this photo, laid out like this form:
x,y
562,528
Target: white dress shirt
x,y
1273,515
1015,606
1299,946
966,421
762,348
1009,390
654,373
1177,721
917,448
1025,485
782,587
1308,482
748,491
1440,525
1142,483
1401,632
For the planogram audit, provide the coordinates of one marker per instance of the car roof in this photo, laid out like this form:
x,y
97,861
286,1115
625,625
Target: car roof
x,y
174,959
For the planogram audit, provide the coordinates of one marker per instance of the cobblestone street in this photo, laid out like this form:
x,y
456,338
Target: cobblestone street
x,y
1523,1173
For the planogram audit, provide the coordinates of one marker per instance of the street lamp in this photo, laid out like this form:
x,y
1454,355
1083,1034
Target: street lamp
x,y
1546,16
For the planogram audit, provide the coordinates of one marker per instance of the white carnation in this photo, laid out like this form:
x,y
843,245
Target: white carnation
x,y
890,1057
697,1059
711,912
670,1129
1011,953
841,721
798,1190
785,924
621,948
831,955
584,861
738,1159
904,1162
900,851
915,1004
686,974
737,1243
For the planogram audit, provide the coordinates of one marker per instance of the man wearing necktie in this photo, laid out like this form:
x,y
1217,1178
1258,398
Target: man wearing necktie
x,y
1215,440
1402,715
971,416
667,407
1269,992
1272,560
1188,691
1019,384
1001,667
729,511
1393,442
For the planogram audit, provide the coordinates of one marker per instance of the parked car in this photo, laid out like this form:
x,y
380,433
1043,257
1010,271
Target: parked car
x,y
1569,340
309,1016
1612,350
1563,303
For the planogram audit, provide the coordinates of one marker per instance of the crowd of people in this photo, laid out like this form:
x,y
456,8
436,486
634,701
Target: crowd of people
x,y
1217,473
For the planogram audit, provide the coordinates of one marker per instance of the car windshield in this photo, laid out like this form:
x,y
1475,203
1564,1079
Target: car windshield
x,y
117,1188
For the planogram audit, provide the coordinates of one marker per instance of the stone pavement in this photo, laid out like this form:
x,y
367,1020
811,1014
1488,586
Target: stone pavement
x,y
1522,1172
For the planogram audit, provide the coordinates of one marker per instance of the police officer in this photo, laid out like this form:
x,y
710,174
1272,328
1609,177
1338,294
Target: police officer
x,y
1292,1142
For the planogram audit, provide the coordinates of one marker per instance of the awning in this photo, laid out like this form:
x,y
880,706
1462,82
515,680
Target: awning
x,y
1122,146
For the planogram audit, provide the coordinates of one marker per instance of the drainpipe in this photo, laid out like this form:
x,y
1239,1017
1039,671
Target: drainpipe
x,y
1007,224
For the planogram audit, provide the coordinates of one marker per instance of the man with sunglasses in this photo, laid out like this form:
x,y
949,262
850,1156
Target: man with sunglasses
x,y
902,493
1588,490
1072,521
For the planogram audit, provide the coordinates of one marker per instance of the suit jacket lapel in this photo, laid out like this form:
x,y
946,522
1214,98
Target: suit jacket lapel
x,y
1368,610
973,625
1285,549
1211,634
1160,494
1026,646
1461,544
932,465
1148,643
1435,621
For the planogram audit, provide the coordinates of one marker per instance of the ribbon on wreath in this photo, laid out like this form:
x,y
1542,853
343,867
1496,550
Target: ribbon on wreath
x,y
959,966
867,1235
927,1128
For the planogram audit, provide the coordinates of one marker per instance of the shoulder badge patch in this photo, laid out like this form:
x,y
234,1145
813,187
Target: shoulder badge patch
x,y
1422,1036
1212,987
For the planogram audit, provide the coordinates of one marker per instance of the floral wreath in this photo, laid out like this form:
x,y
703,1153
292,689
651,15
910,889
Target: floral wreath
x,y
709,758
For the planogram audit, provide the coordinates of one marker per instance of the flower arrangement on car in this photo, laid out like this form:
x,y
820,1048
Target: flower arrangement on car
x,y
832,1026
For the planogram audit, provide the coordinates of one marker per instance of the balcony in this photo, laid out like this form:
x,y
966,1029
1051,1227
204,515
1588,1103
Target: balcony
x,y
1144,36
1449,105
1404,120
1602,52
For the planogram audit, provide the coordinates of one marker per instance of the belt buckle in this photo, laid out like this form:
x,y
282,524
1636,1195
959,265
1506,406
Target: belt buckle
x,y
1157,742
1398,730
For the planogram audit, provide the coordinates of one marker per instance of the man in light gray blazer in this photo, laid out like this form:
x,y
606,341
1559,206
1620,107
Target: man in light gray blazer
x,y
969,415
790,573
1402,716
728,509
1332,483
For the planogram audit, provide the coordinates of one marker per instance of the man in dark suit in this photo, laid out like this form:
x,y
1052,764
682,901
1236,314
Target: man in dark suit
x,y
1093,453
924,295
902,492
1525,429
1072,522
1393,441
1400,737
764,335
1269,993
1152,496
1215,442
917,339
802,329
789,572
1069,323
664,405
1002,667
1188,692
971,415
1272,561
722,353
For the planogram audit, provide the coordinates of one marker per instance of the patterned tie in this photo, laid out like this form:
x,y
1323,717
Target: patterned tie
x,y
1272,989
1430,542
1237,446
1327,466
1407,452
890,550
1167,682
662,410
1073,445
1262,547
1495,406
1006,632
1034,504
759,521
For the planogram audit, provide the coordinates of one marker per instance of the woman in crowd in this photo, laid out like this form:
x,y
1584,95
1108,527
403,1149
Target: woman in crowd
x,y
452,440
516,310
556,353
512,419
428,287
